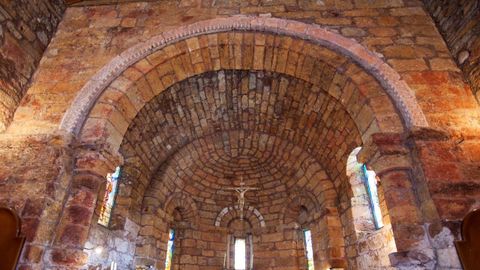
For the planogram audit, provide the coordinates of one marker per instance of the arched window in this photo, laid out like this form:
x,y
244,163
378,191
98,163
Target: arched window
x,y
365,191
307,236
109,198
176,234
372,235
181,217
298,214
170,249
240,257
239,245
370,181
239,251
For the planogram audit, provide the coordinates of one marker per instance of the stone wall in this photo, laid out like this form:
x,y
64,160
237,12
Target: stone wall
x,y
459,24
367,247
374,246
405,36
105,245
406,39
205,247
201,248
26,29
193,165
280,249
399,32
34,175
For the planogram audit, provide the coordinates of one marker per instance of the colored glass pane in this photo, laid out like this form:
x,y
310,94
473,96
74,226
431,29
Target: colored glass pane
x,y
170,249
372,191
109,197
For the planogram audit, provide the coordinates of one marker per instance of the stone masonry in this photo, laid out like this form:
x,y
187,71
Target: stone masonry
x,y
279,98
26,30
459,24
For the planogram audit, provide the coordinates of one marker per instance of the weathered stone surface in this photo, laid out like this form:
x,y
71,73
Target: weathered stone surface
x,y
35,189
26,29
458,22
281,111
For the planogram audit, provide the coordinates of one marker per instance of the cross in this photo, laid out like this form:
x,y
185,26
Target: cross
x,y
241,190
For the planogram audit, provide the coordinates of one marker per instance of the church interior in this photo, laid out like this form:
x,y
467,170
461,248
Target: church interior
x,y
239,134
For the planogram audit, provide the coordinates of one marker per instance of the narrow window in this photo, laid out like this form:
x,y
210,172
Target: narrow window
x,y
109,197
240,254
170,249
307,235
371,186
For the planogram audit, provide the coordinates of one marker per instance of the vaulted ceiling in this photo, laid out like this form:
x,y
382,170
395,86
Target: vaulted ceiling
x,y
209,131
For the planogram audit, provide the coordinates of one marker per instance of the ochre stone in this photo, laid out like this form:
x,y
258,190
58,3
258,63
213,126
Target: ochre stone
x,y
193,97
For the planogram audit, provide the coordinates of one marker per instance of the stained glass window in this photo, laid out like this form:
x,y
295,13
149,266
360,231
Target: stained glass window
x,y
170,249
240,254
307,234
109,197
372,191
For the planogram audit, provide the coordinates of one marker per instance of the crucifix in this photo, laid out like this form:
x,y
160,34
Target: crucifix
x,y
241,190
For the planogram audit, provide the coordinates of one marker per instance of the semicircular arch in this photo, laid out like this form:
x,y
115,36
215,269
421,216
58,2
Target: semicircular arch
x,y
398,91
254,217
180,200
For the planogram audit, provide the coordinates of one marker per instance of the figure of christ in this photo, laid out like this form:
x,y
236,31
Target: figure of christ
x,y
241,190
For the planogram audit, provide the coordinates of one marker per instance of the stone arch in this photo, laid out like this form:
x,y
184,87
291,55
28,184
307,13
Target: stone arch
x,y
166,219
121,103
328,72
294,205
323,222
185,165
161,217
124,98
360,209
397,89
368,240
182,201
251,214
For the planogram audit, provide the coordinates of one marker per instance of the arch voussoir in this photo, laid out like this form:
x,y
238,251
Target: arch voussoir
x,y
397,89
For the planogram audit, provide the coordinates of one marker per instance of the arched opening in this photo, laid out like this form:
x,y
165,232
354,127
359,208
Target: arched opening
x,y
300,218
231,102
240,245
197,127
169,233
199,167
177,238
372,238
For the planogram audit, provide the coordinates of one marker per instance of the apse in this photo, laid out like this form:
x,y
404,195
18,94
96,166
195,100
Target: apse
x,y
235,135
233,169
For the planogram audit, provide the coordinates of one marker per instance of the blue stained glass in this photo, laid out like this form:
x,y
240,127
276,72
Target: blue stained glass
x,y
109,197
371,186
170,249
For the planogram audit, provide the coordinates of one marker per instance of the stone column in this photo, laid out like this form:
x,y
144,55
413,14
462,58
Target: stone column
x,y
328,239
450,167
35,171
390,157
91,168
